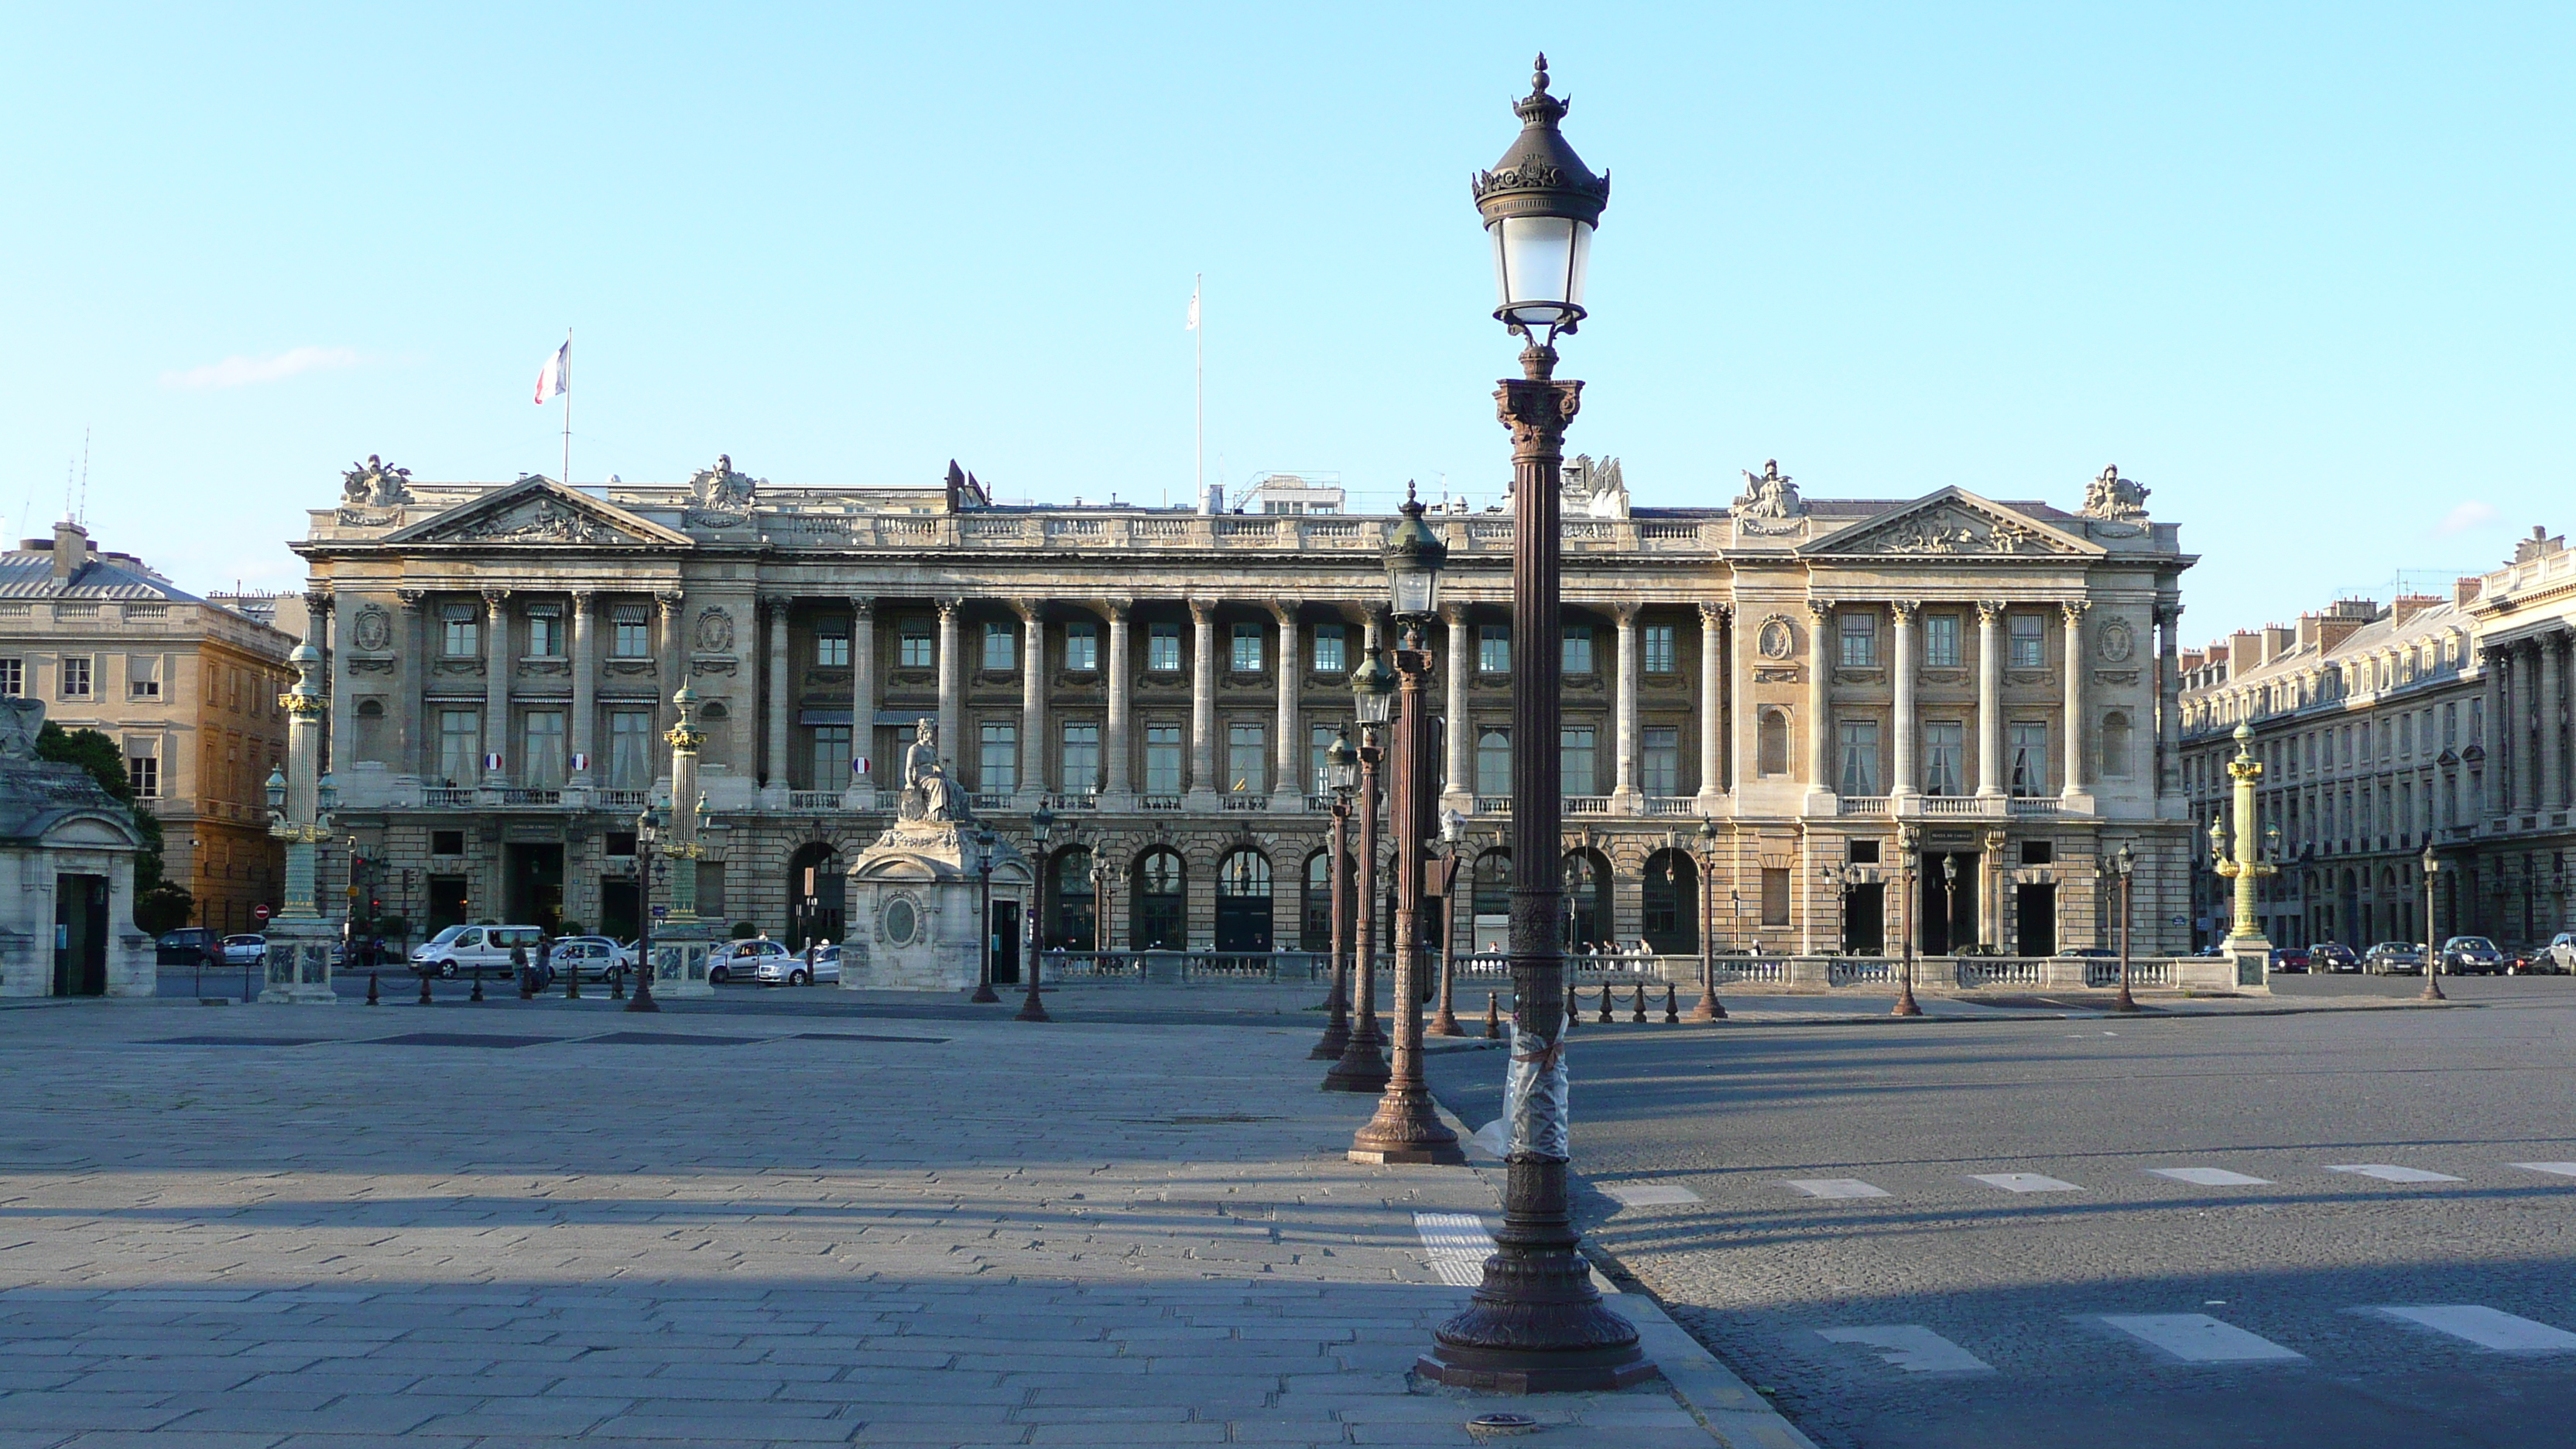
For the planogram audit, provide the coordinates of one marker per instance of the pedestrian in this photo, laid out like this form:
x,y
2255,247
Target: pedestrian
x,y
519,966
545,962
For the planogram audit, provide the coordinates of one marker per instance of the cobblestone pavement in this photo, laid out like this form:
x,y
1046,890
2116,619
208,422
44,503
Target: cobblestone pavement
x,y
506,1225
2347,1229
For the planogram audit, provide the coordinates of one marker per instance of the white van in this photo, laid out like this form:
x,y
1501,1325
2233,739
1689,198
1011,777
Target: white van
x,y
474,950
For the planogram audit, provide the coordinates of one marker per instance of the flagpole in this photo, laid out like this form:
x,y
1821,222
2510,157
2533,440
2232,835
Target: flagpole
x,y
567,392
1198,331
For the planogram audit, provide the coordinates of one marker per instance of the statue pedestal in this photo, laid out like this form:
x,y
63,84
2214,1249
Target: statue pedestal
x,y
2252,958
913,908
299,962
680,948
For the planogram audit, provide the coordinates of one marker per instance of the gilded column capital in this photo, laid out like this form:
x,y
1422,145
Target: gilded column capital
x,y
2074,609
495,599
1989,611
668,601
1904,609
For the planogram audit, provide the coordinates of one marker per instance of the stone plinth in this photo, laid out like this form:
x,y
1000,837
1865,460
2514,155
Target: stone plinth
x,y
914,904
299,961
680,948
2251,956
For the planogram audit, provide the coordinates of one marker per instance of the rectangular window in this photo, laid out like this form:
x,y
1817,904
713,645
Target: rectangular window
x,y
143,769
2029,648
1001,647
1319,738
75,676
831,757
1775,895
1493,649
543,748
1659,649
998,758
915,650
630,631
1578,650
545,636
1575,756
630,749
1243,656
1660,760
1860,756
1247,747
459,635
1163,648
1859,639
831,651
1494,763
1078,767
1082,648
1162,759
460,746
2027,746
13,678
1941,744
143,676
1940,641
1332,648
2450,725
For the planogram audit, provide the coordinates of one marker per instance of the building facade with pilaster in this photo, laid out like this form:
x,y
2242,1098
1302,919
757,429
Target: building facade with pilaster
x,y
1807,674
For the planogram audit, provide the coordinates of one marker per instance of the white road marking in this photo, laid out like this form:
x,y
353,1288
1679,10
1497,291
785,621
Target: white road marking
x,y
1835,1187
2199,1338
2555,1169
1457,1244
2210,1177
2022,1182
2386,1173
1911,1347
1648,1194
2485,1327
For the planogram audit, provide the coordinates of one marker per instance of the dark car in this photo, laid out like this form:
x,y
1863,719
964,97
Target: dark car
x,y
2290,960
2393,958
2332,956
2471,956
186,946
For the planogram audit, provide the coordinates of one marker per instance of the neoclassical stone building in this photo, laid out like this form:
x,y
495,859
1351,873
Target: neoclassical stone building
x,y
1806,674
2433,720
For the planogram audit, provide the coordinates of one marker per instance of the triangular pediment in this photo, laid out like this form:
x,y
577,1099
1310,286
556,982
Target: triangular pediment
x,y
1953,523
540,512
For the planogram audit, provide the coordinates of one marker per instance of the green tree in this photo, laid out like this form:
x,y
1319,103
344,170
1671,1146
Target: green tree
x,y
100,756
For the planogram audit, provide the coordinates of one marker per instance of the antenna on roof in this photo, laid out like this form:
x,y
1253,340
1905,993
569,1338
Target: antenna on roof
x,y
83,519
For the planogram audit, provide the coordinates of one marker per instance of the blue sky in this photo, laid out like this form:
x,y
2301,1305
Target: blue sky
x,y
2300,270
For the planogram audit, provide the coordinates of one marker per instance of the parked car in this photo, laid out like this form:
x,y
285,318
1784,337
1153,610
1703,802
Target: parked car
x,y
791,970
741,958
2393,958
2471,956
595,957
476,951
188,946
2532,963
2290,960
2562,951
245,950
2332,956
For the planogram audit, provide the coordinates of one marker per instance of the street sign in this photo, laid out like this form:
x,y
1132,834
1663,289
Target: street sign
x,y
260,911
660,911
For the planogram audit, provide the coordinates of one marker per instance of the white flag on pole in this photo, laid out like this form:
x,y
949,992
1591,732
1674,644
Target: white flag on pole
x,y
1193,324
555,378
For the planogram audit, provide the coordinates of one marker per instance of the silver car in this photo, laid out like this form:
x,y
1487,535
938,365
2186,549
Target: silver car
x,y
792,970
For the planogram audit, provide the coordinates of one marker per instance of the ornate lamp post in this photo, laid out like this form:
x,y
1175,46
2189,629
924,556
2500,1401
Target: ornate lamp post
x,y
1042,827
2122,865
1450,849
2244,864
1405,1128
1342,775
1906,842
1832,875
2432,964
1536,1323
983,994
648,836
1709,1008
1362,1067
298,967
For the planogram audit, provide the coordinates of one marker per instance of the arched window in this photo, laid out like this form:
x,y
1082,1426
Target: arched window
x,y
1775,742
1315,907
1587,899
1493,888
370,737
1671,901
1160,915
2115,745
1243,902
1074,922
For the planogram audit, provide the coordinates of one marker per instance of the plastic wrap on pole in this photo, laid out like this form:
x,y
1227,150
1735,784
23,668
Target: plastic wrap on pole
x,y
1534,1096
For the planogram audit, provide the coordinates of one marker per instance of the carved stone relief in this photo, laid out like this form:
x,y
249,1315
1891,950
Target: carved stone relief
x,y
715,630
373,629
2117,643
1776,639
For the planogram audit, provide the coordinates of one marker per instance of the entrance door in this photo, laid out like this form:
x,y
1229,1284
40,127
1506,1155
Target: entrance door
x,y
1005,942
618,915
1865,920
80,935
535,891
447,900
1947,909
2036,907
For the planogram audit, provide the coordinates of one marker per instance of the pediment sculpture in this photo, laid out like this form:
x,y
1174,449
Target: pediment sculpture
x,y
1769,494
540,518
1953,530
2112,496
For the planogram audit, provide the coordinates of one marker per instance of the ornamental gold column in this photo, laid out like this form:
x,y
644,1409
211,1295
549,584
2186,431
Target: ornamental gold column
x,y
300,800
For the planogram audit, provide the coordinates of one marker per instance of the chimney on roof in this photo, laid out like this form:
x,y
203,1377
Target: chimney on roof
x,y
2335,626
2407,606
2277,640
71,550
2244,653
2464,590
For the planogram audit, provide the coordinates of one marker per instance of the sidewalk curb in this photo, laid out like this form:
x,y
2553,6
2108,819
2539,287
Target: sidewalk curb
x,y
1725,1405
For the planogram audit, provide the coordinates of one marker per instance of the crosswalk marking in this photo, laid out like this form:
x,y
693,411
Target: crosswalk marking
x,y
1911,1347
2485,1327
2210,1177
2387,1173
1835,1187
2199,1338
1457,1244
2555,1169
2023,1182
1649,1194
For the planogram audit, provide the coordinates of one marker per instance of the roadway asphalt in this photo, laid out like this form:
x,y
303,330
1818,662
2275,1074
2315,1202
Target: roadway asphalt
x,y
2110,1231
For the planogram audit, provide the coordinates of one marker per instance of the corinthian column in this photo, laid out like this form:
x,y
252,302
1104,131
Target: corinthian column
x,y
1290,784
2168,762
585,685
414,757
1203,781
2499,793
861,793
952,702
2553,723
774,794
1712,703
1033,775
496,686
1121,686
1903,776
1990,698
2072,789
1458,776
1820,703
1623,791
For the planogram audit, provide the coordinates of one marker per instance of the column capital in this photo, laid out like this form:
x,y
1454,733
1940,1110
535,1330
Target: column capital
x,y
949,607
1114,608
1454,615
584,596
863,606
774,607
668,601
1030,611
1200,608
1625,612
318,598
2074,609
1904,610
1820,609
2168,614
493,598
1285,612
411,599
1714,614
1988,611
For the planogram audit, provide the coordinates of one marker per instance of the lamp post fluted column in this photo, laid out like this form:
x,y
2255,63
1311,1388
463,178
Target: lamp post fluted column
x,y
1709,1009
1337,1032
1362,1067
1906,840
